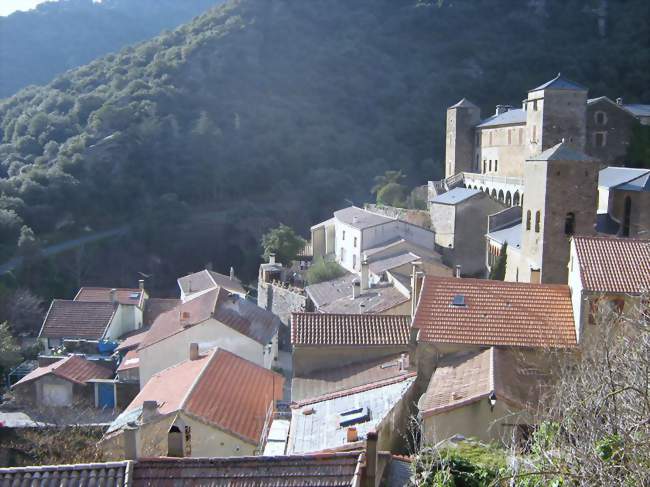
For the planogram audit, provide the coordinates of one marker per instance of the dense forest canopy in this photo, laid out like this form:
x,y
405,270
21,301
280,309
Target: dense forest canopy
x,y
37,45
285,109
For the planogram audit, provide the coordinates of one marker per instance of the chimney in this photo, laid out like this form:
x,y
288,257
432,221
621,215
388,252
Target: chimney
x,y
619,101
113,295
141,285
356,289
194,351
371,458
416,285
352,435
149,410
502,109
365,283
130,449
185,318
457,273
402,362
232,273
272,258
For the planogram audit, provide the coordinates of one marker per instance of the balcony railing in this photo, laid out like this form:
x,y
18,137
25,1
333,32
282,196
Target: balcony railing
x,y
492,178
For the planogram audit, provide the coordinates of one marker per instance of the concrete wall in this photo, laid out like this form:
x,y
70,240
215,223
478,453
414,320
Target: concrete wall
x,y
127,318
473,420
616,126
210,441
176,349
443,224
309,358
34,392
394,428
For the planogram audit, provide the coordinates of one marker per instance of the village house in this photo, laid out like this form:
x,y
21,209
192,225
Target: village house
x,y
206,280
64,383
464,315
95,314
484,394
322,340
214,404
214,318
366,468
614,272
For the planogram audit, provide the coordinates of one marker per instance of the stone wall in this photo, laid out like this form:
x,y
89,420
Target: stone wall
x,y
420,218
280,300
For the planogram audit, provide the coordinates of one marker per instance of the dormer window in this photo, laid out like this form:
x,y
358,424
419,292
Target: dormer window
x,y
458,301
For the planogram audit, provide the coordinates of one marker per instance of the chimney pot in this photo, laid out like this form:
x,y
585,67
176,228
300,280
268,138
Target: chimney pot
x,y
141,285
619,101
272,258
113,295
232,273
365,275
458,267
356,289
194,351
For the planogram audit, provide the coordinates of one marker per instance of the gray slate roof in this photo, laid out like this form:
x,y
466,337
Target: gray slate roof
x,y
642,183
561,152
613,176
639,110
511,117
360,218
206,279
560,83
512,235
455,196
464,103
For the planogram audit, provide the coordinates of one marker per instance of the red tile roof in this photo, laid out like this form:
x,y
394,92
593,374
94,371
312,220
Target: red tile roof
x,y
323,470
103,295
467,377
495,313
349,329
220,389
154,307
613,265
73,368
233,311
77,319
113,474
132,340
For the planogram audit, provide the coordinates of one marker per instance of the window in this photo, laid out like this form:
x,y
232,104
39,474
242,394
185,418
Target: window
x,y
496,165
478,162
342,254
490,137
601,118
534,133
354,244
484,166
600,139
521,136
569,224
627,214
538,218
490,165
343,237
354,261
534,105
528,220
174,442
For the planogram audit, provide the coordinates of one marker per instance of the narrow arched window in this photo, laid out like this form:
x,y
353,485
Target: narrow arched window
x,y
570,224
528,220
538,219
174,442
627,216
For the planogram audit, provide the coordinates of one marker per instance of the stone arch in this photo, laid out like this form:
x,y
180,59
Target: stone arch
x,y
494,194
501,196
508,199
515,199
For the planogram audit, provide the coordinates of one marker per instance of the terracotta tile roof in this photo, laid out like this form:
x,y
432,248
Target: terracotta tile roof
x,y
131,340
154,307
613,265
113,474
220,389
495,313
234,311
103,295
77,319
322,382
324,470
73,368
130,361
349,329
467,377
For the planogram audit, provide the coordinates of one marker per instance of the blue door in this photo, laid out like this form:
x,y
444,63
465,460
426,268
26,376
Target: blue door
x,y
106,395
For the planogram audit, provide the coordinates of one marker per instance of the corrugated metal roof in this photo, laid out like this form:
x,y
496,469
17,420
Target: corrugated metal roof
x,y
113,474
349,329
325,470
495,313
511,117
73,368
455,196
77,319
613,265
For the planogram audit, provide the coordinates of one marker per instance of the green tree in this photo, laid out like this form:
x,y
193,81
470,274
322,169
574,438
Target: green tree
x,y
638,153
498,271
28,244
283,242
389,177
322,270
393,194
9,349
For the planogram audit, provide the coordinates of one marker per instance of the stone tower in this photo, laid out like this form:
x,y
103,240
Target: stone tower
x,y
556,111
459,151
561,200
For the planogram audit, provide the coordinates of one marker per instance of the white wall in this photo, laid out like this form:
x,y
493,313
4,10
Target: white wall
x,y
175,349
344,238
575,284
127,318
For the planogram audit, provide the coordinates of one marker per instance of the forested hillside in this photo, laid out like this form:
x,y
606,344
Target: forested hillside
x,y
37,45
283,109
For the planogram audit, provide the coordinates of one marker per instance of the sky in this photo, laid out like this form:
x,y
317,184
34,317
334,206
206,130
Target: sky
x,y
10,6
